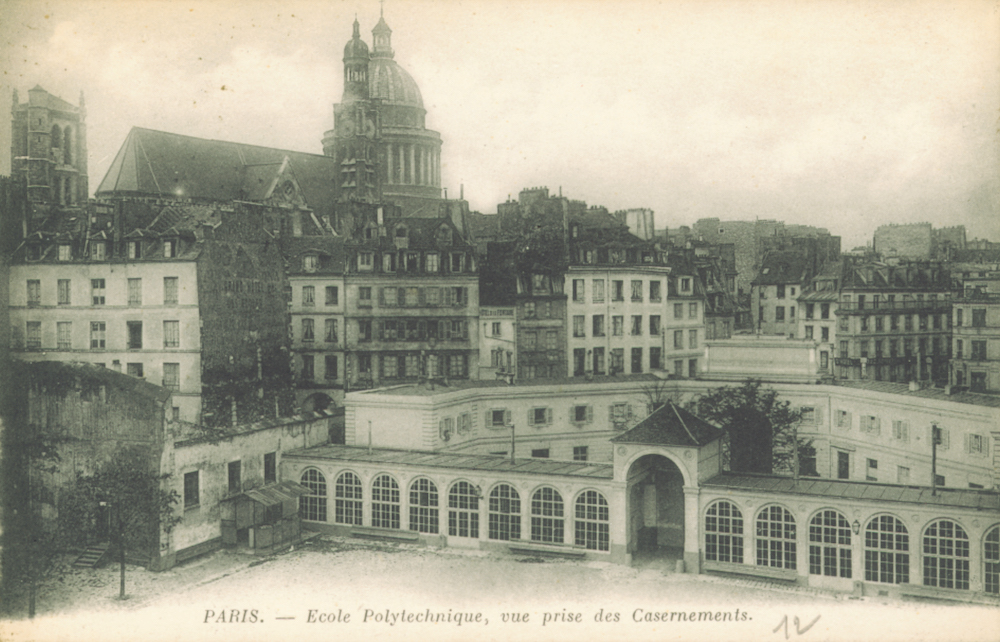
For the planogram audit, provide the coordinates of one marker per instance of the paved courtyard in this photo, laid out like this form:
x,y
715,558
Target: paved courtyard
x,y
332,588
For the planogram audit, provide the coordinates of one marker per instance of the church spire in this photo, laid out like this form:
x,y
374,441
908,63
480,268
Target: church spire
x,y
383,37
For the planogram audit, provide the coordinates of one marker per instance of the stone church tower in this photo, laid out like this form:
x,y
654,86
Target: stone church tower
x,y
384,150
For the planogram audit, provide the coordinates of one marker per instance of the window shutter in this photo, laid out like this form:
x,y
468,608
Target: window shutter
x,y
548,415
465,296
489,418
850,421
446,296
590,414
445,328
465,329
965,441
818,415
878,425
507,417
611,412
905,431
422,330
381,329
421,297
572,414
531,417
381,297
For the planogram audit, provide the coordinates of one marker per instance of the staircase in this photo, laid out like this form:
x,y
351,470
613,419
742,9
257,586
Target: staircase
x,y
92,556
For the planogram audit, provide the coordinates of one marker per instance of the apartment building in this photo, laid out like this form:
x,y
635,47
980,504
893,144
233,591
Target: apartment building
x,y
775,291
497,342
976,341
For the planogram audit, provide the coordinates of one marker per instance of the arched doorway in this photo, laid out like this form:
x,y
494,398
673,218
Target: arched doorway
x,y
316,402
655,496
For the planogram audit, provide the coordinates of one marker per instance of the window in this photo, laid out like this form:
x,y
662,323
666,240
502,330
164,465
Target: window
x,y
655,358
946,555
824,310
170,290
597,292
97,335
192,494
887,551
312,506
979,317
578,291
457,258
824,359
64,335
547,516
636,291
171,334
235,483
900,430
636,360
310,263
581,414
592,528
135,292
347,503
463,510
678,310
498,418
134,334
63,296
779,314
871,470
34,292
504,513
692,368
978,350
959,349
540,453
775,538
539,416
433,264
66,253
172,376
531,337
529,309
579,453
975,444
33,336
654,292
685,284
810,310
991,559
597,326
169,249
692,338
843,464
308,330
617,360
598,360
423,506
617,290
724,533
871,424
809,332
308,295
578,323
308,367
693,310
678,339
385,502
270,468
654,325
781,291
364,330
365,260
97,291
902,475
97,251
617,325
830,545
636,325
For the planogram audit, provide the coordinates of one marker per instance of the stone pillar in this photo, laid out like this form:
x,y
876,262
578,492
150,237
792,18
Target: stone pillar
x,y
413,157
389,167
619,520
402,164
692,530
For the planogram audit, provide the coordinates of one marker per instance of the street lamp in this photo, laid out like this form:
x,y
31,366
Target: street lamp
x,y
856,527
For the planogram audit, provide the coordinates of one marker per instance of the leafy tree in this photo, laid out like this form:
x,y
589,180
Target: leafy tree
x,y
761,428
657,394
128,492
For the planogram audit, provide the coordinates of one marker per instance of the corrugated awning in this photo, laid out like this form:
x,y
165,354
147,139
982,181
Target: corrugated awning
x,y
273,494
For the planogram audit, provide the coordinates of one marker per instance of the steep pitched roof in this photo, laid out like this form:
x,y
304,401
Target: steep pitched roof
x,y
783,267
329,250
171,165
671,425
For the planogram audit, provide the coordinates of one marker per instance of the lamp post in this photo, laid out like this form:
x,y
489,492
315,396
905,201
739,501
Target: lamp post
x,y
856,527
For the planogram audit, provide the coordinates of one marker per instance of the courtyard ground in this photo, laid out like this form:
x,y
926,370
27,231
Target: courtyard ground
x,y
332,588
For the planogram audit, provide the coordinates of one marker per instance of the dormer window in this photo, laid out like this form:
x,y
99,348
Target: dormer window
x,y
457,262
135,249
575,230
98,250
65,253
34,252
369,233
685,284
310,263
365,261
444,236
401,232
169,248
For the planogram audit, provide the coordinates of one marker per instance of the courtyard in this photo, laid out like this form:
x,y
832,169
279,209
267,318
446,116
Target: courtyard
x,y
353,589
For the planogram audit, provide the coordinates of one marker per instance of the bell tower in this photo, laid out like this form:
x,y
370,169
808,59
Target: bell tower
x,y
355,67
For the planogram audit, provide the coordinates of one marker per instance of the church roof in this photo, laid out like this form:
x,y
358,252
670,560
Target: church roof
x,y
155,163
391,83
671,425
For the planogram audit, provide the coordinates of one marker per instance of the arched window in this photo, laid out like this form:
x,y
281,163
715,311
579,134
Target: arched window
x,y
56,136
347,496
505,513
887,551
991,556
830,545
775,538
385,502
68,187
463,510
591,526
724,533
946,555
547,516
68,147
423,506
313,506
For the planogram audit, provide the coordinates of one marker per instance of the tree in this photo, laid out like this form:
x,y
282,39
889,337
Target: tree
x,y
128,492
657,394
761,428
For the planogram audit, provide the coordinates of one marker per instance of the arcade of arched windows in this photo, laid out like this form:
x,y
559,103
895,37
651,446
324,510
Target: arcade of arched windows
x,y
459,508
882,548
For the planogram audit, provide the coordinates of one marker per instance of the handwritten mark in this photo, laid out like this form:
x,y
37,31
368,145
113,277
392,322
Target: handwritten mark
x,y
798,629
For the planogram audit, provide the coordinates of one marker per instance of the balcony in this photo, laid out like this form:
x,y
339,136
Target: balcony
x,y
870,307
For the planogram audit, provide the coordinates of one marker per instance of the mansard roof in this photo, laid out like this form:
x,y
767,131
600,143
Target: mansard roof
x,y
783,267
155,163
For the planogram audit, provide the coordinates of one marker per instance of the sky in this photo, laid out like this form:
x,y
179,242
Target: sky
x,y
841,114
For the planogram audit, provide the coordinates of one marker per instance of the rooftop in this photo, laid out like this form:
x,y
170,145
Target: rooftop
x,y
491,463
956,497
671,425
974,398
424,389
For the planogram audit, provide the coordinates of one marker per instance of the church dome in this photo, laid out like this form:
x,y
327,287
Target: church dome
x,y
391,83
356,47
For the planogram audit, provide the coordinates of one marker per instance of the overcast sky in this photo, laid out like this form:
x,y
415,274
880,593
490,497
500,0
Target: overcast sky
x,y
845,115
